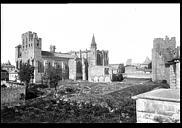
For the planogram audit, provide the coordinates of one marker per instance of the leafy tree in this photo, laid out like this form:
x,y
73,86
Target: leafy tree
x,y
65,72
121,69
53,75
26,73
150,65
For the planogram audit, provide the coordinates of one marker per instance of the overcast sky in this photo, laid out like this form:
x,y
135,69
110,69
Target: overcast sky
x,y
126,30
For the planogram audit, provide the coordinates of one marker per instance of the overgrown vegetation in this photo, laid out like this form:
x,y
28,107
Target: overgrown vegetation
x,y
114,107
52,75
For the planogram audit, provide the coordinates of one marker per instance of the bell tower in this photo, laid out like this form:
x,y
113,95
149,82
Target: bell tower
x,y
93,53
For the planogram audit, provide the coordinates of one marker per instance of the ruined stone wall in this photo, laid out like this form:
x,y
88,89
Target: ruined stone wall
x,y
11,95
98,74
102,58
175,75
172,76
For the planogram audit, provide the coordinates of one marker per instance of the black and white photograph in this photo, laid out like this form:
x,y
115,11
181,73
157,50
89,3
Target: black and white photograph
x,y
90,63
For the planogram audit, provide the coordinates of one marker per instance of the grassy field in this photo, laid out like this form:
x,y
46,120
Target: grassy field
x,y
83,102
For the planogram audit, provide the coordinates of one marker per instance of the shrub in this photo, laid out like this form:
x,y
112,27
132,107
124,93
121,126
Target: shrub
x,y
117,77
164,82
3,86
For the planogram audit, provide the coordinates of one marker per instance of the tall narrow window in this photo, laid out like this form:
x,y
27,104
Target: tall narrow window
x,y
106,71
32,62
17,64
28,61
20,63
40,67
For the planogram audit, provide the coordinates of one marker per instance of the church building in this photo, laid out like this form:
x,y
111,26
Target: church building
x,y
91,65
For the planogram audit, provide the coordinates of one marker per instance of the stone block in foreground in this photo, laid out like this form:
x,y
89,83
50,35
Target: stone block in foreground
x,y
158,106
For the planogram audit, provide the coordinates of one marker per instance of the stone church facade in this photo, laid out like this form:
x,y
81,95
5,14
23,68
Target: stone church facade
x,y
91,65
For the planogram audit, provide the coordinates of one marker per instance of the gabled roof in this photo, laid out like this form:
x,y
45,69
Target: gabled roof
x,y
46,53
61,55
64,55
18,46
147,61
7,66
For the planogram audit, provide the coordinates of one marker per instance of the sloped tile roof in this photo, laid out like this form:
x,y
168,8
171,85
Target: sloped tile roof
x,y
64,55
46,53
147,61
61,55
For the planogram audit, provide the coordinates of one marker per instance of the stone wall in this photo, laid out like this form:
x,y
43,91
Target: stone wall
x,y
11,95
158,106
139,75
115,68
153,111
178,75
133,72
175,75
172,76
97,74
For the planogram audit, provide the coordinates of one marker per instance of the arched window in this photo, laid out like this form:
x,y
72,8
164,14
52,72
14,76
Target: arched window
x,y
17,64
99,59
79,70
32,62
79,67
106,71
20,63
40,67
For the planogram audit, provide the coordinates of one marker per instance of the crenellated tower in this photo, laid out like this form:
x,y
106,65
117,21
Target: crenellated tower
x,y
31,52
161,53
31,47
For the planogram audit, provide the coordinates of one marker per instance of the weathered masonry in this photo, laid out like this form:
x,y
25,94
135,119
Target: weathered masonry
x,y
164,51
162,105
158,106
75,64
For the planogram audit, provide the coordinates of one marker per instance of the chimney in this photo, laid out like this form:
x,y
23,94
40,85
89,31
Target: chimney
x,y
52,48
